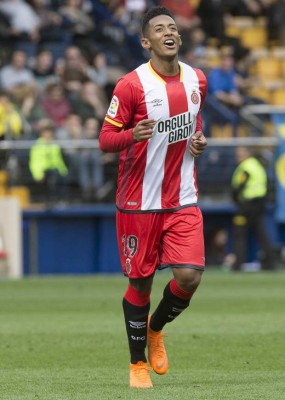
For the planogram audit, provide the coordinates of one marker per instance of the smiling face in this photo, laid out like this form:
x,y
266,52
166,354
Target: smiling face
x,y
162,38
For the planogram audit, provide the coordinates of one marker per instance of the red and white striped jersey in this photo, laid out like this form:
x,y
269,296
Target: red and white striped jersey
x,y
158,174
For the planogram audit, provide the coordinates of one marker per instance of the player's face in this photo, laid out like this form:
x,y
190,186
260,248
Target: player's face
x,y
162,37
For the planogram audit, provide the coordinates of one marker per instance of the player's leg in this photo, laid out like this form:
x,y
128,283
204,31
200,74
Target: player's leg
x,y
176,296
183,251
136,305
138,255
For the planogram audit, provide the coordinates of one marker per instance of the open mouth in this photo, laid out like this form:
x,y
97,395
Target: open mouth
x,y
169,43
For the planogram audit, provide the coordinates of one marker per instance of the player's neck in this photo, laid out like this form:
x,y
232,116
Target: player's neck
x,y
168,68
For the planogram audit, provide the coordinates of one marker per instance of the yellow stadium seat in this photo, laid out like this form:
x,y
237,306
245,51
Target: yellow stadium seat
x,y
278,97
3,191
254,37
283,68
268,68
22,193
260,92
3,178
221,131
195,3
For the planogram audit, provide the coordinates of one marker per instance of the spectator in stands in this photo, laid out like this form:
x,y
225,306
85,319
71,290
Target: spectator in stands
x,y
70,131
24,21
81,24
47,165
249,8
214,19
91,102
16,74
43,68
131,14
193,49
30,106
212,14
53,27
222,83
249,192
224,99
5,31
11,122
97,69
91,165
275,22
216,248
185,14
72,81
74,58
56,104
92,66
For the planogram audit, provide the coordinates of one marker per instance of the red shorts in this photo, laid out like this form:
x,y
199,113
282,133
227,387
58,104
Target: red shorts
x,y
159,240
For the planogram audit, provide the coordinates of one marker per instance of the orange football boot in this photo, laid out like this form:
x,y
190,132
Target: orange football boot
x,y
157,356
140,376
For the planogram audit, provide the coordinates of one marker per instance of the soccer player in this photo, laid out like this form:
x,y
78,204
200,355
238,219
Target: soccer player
x,y
154,122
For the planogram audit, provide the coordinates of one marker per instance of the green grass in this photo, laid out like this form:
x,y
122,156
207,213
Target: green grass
x,y
64,338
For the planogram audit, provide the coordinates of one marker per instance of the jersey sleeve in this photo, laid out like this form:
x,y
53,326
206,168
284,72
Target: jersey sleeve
x,y
203,85
199,126
116,133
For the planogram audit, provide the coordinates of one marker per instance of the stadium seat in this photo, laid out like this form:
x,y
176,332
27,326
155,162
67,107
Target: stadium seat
x,y
237,24
283,68
22,193
268,68
253,37
278,97
195,3
3,178
221,131
260,92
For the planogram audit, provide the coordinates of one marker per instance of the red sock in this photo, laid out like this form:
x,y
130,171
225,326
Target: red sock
x,y
178,292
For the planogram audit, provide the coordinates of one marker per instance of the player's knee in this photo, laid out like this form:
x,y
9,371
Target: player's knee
x,y
188,279
142,285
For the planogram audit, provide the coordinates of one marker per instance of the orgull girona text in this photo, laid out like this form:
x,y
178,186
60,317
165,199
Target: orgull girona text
x,y
178,127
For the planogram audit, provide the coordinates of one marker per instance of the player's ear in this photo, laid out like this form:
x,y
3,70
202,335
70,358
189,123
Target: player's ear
x,y
145,43
180,40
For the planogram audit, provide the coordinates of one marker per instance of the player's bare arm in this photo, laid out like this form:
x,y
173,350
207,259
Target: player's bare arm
x,y
198,144
144,129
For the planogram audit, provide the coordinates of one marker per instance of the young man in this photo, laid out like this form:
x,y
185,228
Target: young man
x,y
154,122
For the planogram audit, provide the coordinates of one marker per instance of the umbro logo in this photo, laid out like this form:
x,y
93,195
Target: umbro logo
x,y
156,102
137,325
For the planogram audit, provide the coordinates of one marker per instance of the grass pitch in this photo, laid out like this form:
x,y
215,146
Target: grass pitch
x,y
64,339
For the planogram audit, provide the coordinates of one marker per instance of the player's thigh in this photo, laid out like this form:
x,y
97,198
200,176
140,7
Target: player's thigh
x,y
138,238
183,239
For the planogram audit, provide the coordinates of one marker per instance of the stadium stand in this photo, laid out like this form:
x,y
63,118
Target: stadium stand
x,y
100,44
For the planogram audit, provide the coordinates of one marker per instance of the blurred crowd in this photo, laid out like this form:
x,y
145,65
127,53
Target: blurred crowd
x,y
60,60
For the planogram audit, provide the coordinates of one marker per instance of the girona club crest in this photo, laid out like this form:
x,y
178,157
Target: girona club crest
x,y
194,98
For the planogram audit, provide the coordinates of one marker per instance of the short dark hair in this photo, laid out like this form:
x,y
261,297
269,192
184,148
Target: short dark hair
x,y
151,13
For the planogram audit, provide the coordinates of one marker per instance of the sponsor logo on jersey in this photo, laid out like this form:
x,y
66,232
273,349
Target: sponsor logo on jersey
x,y
156,102
113,108
178,127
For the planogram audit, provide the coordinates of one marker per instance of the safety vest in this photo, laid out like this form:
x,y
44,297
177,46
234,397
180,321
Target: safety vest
x,y
46,156
256,185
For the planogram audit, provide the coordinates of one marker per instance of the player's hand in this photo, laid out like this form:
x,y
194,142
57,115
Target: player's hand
x,y
198,144
143,130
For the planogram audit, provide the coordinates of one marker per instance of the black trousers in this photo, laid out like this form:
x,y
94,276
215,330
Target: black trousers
x,y
251,217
